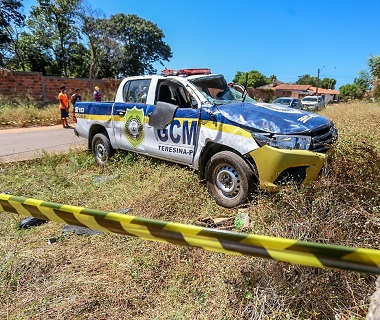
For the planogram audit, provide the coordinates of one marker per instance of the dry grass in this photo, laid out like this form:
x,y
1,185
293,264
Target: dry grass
x,y
27,114
110,276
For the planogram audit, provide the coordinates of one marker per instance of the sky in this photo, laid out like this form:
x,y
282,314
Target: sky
x,y
286,38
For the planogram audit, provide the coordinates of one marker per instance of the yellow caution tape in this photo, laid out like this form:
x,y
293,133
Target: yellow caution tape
x,y
280,249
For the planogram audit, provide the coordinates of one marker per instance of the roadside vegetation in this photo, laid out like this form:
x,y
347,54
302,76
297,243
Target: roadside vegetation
x,y
109,276
22,113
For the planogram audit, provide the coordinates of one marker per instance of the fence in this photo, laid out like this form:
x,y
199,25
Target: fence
x,y
34,85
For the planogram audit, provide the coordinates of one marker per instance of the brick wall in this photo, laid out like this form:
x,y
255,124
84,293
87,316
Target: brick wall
x,y
35,86
20,84
263,95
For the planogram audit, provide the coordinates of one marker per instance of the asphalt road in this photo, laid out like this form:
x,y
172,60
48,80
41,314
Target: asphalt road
x,y
27,143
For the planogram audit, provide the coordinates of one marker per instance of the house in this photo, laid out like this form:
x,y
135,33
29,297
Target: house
x,y
277,89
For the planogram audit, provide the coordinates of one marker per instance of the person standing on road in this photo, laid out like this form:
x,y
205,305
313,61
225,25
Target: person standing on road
x,y
97,95
75,97
64,106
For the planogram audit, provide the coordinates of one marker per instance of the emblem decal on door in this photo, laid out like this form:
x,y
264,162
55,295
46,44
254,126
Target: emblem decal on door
x,y
134,126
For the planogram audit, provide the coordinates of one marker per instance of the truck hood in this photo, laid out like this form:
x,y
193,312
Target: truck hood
x,y
273,118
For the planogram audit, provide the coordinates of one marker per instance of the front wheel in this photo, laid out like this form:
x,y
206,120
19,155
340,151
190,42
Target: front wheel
x,y
101,148
229,179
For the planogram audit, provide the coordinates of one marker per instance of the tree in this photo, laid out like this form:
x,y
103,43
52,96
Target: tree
x,y
90,20
32,56
13,48
123,45
10,17
350,92
255,79
307,79
358,88
374,67
327,83
78,63
142,44
364,81
272,78
53,26
237,77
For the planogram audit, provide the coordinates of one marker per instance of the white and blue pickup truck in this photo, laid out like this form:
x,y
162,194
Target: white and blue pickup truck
x,y
194,118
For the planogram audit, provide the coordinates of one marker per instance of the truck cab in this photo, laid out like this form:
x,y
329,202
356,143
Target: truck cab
x,y
195,118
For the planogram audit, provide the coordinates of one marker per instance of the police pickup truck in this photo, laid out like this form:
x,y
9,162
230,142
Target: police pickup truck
x,y
194,118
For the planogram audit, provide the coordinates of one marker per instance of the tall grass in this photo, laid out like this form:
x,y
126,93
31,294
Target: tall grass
x,y
27,114
111,276
21,113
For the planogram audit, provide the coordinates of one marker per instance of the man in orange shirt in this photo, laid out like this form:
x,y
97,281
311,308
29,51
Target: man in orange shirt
x,y
64,106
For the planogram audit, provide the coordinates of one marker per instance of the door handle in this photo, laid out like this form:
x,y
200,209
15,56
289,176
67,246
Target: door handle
x,y
120,112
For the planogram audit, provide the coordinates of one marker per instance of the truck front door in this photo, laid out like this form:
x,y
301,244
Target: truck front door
x,y
172,127
166,128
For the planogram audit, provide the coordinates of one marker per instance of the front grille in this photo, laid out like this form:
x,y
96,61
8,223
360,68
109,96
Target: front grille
x,y
322,138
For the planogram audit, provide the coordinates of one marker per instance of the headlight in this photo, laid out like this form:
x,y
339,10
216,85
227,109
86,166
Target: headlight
x,y
283,141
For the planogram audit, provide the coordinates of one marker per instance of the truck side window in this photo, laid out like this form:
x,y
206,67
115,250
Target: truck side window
x,y
174,93
165,94
125,90
136,91
183,98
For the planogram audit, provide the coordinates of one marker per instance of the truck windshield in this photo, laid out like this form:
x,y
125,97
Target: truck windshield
x,y
215,89
314,99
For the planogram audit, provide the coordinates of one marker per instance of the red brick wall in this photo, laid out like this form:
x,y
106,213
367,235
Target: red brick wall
x,y
35,86
21,84
263,95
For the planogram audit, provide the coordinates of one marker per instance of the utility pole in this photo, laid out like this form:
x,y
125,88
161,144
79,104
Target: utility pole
x,y
319,71
316,91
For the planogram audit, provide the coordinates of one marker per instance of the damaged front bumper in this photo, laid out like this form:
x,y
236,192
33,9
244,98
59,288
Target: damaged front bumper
x,y
278,166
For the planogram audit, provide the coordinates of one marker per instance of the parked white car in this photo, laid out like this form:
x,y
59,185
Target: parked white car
x,y
289,102
313,103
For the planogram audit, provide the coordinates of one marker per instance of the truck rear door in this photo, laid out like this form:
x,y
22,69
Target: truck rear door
x,y
166,129
128,116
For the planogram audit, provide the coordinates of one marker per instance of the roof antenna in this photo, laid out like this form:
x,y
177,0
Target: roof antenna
x,y
245,87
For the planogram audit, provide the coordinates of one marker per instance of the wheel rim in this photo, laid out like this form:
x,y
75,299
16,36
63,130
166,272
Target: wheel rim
x,y
100,151
227,180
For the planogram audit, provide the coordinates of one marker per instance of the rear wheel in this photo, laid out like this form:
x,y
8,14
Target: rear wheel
x,y
101,148
229,179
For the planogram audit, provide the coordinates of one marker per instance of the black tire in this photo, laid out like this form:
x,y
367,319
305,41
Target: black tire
x,y
229,179
101,148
